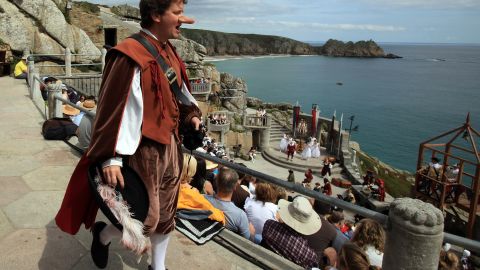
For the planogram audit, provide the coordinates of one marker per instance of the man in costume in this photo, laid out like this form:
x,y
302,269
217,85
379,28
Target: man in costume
x,y
137,123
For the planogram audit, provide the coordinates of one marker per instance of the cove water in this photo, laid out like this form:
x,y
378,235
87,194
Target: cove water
x,y
397,103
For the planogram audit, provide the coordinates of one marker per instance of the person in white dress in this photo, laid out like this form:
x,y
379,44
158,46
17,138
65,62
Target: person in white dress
x,y
284,143
307,151
315,149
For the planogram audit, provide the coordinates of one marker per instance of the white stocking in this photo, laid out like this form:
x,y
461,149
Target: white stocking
x,y
108,233
159,250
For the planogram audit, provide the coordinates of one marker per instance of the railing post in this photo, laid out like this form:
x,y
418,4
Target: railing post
x,y
68,62
104,54
31,67
414,235
35,93
55,108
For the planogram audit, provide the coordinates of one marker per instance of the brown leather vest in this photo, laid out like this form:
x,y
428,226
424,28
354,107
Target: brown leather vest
x,y
160,109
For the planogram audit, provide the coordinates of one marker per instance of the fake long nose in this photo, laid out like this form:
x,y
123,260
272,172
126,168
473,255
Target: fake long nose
x,y
186,20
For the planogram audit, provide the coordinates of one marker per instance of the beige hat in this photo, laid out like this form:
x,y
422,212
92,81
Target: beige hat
x,y
210,164
69,110
89,104
299,215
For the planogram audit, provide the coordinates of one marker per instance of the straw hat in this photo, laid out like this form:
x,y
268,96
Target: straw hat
x,y
210,165
299,215
89,104
69,110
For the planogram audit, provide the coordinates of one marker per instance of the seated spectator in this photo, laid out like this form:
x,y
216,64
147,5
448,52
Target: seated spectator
x,y
287,236
236,219
352,257
448,261
84,132
44,87
21,69
189,197
336,218
369,178
262,208
348,196
90,104
370,236
200,176
327,187
323,238
240,194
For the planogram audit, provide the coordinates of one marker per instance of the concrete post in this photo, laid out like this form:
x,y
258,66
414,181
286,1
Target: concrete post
x,y
31,67
55,108
414,236
265,138
104,54
35,93
68,62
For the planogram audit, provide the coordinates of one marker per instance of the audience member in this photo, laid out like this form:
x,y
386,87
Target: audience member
x,y
336,218
236,219
448,261
287,236
370,236
323,238
240,194
262,208
21,69
327,187
200,176
352,257
189,197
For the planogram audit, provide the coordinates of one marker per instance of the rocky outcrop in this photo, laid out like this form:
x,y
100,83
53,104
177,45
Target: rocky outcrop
x,y
126,11
25,22
218,43
358,49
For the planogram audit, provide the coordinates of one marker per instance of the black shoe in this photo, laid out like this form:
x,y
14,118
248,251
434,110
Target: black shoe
x,y
98,250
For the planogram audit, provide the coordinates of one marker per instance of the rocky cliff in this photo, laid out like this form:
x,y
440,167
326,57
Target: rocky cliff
x,y
218,43
350,49
41,27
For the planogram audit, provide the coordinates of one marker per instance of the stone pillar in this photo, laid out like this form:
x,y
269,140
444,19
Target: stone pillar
x,y
55,108
264,138
414,236
35,93
31,67
104,53
68,62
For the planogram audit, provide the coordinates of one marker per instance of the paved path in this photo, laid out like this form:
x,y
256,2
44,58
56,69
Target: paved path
x,y
33,176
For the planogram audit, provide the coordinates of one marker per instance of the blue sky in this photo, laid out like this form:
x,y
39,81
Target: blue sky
x,y
418,21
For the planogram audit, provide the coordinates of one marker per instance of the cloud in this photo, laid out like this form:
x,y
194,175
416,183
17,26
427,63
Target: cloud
x,y
427,3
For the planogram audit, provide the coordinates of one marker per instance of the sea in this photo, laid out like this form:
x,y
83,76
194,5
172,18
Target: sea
x,y
396,103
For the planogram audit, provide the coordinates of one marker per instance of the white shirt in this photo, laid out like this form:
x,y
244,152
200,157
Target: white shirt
x,y
258,213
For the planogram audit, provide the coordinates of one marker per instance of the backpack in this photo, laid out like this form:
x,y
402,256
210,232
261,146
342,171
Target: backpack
x,y
58,129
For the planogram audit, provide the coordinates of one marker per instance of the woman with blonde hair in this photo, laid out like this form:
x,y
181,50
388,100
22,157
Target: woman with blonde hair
x,y
262,208
189,197
370,236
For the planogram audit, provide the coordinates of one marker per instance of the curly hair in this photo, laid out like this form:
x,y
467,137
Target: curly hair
x,y
369,232
153,7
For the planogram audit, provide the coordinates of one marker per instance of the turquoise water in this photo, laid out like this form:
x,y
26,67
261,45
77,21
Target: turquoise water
x,y
397,103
